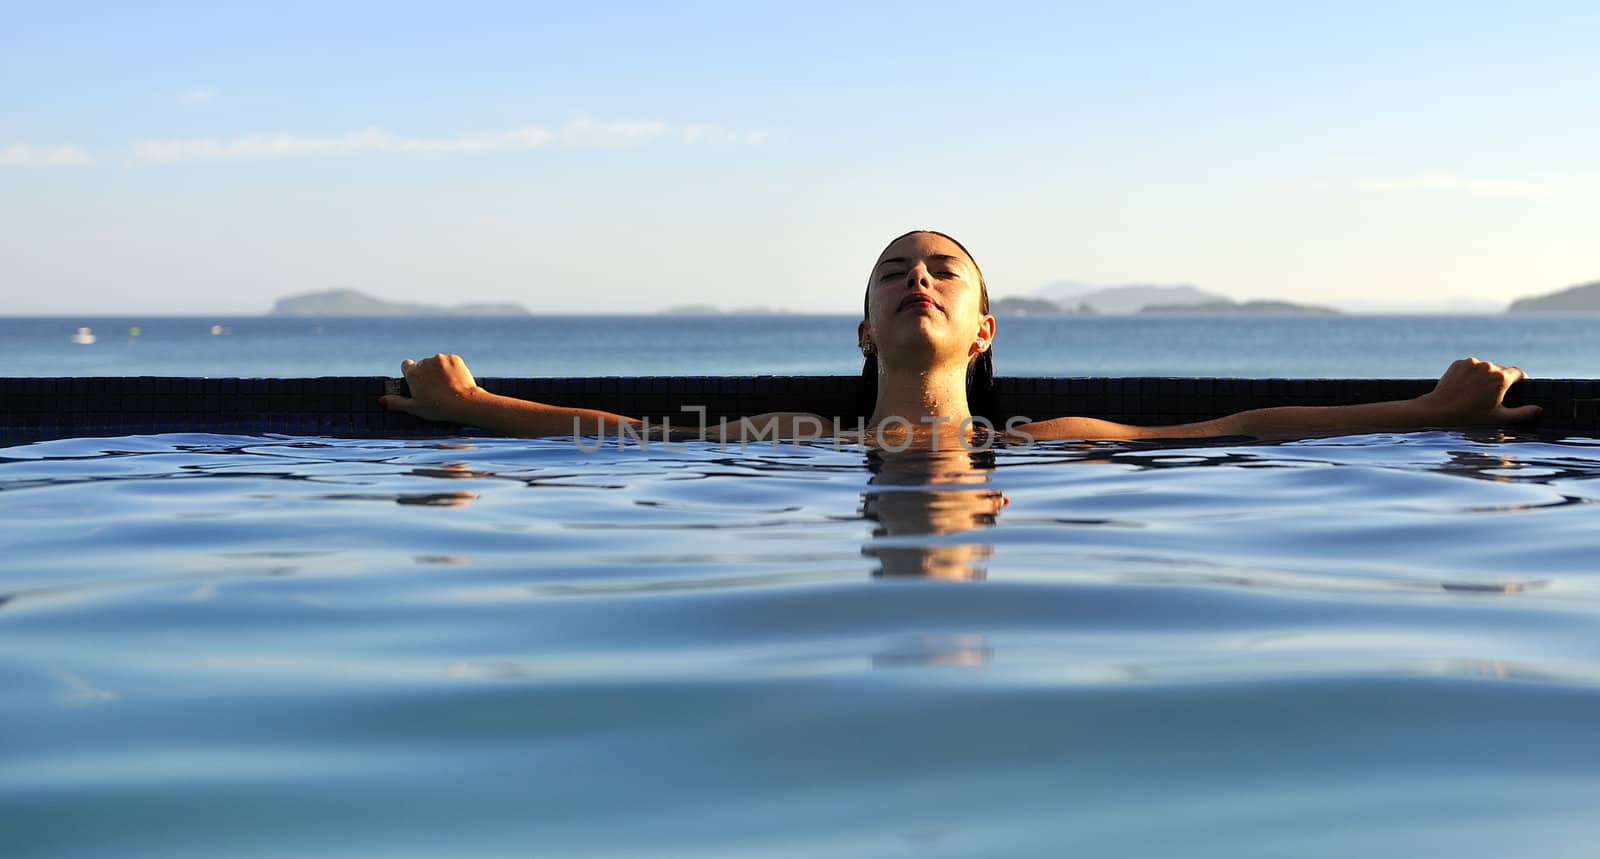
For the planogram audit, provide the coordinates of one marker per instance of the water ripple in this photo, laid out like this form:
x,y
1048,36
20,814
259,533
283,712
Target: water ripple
x,y
499,646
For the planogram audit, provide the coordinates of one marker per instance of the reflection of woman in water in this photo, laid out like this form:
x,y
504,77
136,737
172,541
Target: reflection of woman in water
x,y
927,335
923,501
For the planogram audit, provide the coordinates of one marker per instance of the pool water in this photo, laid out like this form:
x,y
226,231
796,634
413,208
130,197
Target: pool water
x,y
1378,645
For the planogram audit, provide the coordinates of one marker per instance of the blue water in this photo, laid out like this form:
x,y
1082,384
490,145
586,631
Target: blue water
x,y
1377,645
1546,346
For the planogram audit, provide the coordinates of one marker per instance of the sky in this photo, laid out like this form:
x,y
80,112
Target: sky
x,y
210,158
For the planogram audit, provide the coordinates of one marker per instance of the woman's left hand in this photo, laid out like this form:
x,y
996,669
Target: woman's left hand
x,y
1472,392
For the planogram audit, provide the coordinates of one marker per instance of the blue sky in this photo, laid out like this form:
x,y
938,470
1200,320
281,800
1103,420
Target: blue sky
x,y
189,159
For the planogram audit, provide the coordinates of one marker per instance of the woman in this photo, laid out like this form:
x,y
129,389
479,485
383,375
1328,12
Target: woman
x,y
926,333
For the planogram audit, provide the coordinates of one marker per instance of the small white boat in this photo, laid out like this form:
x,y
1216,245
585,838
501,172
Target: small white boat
x,y
84,337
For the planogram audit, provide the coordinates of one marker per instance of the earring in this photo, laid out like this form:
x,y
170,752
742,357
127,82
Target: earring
x,y
867,349
982,344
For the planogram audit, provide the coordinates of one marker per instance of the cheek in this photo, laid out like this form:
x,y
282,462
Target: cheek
x,y
881,303
966,303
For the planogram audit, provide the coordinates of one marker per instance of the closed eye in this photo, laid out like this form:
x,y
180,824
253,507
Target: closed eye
x,y
896,275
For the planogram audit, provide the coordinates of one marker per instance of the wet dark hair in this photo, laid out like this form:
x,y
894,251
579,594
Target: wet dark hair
x,y
981,400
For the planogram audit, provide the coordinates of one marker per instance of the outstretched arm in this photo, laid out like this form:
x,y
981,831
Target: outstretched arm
x,y
442,389
1470,392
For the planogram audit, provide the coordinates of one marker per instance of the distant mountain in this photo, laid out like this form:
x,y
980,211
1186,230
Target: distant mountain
x,y
1024,306
350,302
692,310
1584,298
1284,307
1063,290
1126,299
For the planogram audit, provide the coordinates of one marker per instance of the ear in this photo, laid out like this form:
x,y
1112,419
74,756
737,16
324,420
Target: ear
x,y
863,333
986,332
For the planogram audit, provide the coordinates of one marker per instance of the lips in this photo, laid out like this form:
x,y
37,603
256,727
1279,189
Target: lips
x,y
919,300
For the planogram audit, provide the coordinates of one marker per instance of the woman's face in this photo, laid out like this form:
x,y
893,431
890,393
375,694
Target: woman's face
x,y
924,303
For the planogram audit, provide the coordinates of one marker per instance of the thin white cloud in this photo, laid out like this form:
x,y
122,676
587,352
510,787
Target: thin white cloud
x,y
1460,185
712,135
588,132
579,132
24,155
198,95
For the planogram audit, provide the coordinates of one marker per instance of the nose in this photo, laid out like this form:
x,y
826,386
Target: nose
x,y
917,275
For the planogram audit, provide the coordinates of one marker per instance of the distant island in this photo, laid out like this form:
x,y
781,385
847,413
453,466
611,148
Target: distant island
x,y
1284,307
1024,306
1140,298
1076,298
693,310
1583,298
350,302
1129,298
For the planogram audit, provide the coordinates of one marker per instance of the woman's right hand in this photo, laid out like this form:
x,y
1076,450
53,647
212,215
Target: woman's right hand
x,y
442,389
1473,392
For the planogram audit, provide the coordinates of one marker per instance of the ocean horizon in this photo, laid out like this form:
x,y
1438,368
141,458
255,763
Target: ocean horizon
x,y
1271,346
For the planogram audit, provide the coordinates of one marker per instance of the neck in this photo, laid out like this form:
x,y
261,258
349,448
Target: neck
x,y
921,396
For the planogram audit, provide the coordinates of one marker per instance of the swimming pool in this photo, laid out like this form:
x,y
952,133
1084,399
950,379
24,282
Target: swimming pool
x,y
248,645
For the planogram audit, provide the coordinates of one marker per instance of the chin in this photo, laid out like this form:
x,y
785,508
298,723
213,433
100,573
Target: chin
x,y
927,347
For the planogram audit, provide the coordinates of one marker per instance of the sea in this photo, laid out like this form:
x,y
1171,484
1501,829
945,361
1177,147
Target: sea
x,y
1374,645
1545,346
